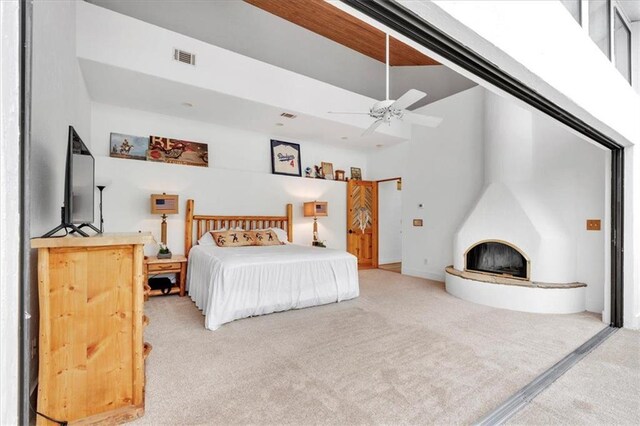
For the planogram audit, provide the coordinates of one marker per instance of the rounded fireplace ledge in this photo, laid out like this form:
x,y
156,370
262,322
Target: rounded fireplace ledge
x,y
515,294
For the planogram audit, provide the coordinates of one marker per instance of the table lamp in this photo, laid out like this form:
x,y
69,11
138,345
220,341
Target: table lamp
x,y
164,204
315,209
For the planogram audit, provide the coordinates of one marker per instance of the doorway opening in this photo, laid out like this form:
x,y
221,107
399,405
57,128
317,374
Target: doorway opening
x,y
390,224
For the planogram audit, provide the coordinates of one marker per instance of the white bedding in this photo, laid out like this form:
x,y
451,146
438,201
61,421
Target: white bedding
x,y
228,283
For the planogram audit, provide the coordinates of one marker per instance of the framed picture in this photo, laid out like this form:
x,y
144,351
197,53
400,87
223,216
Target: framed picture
x,y
327,170
339,174
176,151
127,146
356,173
285,158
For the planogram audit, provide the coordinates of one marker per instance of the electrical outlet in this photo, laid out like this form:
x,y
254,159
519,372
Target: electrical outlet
x,y
593,224
34,348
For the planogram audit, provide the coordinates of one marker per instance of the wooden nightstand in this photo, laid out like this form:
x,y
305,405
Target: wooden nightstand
x,y
176,265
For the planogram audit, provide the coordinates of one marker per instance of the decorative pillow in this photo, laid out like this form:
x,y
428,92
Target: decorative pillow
x,y
266,238
233,238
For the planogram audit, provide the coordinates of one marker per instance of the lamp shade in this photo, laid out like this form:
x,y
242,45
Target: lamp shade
x,y
164,204
316,209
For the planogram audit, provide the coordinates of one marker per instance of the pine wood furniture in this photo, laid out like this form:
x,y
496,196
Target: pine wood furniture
x,y
176,265
91,362
201,224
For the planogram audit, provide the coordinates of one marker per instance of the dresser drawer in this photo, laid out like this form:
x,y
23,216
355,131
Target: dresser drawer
x,y
159,267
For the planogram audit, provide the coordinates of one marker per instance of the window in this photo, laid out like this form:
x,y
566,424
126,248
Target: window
x,y
600,24
574,7
622,45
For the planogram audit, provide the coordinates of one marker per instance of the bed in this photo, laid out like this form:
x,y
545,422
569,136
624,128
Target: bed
x,y
229,283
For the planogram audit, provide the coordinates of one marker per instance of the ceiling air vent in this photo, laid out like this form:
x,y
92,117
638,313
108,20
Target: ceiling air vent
x,y
287,115
185,57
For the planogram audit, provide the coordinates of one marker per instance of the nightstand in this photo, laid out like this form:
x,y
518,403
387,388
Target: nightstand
x,y
176,265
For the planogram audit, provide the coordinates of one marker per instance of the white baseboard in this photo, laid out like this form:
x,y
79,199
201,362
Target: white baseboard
x,y
384,261
421,273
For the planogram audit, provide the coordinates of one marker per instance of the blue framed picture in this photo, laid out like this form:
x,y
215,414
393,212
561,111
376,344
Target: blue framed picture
x,y
285,158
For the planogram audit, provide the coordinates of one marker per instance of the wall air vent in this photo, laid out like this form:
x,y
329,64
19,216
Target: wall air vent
x,y
185,57
287,115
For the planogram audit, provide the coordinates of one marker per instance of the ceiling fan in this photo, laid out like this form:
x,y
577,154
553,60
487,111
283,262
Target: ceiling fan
x,y
384,111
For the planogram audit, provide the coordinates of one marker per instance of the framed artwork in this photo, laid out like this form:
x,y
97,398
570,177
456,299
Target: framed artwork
x,y
175,151
356,173
128,146
339,174
327,170
285,158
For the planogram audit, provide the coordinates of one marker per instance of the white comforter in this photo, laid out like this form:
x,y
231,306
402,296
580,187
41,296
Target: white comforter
x,y
228,283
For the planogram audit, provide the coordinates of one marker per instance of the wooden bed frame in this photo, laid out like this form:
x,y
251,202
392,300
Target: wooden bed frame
x,y
205,223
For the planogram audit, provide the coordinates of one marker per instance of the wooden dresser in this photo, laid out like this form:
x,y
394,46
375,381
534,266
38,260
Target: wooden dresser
x,y
91,328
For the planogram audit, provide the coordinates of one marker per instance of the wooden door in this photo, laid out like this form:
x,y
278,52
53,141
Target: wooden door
x,y
362,222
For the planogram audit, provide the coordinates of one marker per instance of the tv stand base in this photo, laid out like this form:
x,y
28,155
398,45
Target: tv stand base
x,y
70,228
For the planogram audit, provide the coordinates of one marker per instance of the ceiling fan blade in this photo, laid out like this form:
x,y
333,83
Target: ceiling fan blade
x,y
372,128
348,112
408,99
421,120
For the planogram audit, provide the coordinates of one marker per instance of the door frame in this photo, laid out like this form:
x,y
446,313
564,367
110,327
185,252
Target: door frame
x,y
407,23
399,179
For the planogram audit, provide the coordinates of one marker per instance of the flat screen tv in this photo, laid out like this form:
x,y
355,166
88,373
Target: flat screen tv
x,y
79,188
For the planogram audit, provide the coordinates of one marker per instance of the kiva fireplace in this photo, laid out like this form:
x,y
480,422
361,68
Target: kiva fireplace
x,y
512,250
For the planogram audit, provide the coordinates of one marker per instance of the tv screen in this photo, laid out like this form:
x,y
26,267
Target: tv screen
x,y
79,181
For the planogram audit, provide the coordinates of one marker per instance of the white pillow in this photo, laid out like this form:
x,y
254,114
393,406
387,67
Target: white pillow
x,y
207,239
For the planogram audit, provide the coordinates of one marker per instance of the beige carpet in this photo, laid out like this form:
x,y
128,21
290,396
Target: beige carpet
x,y
602,389
404,352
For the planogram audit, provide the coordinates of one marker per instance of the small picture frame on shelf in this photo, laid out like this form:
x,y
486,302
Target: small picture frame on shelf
x,y
327,170
356,173
340,175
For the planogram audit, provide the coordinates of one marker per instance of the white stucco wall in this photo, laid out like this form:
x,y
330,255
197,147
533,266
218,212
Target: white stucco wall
x,y
10,216
237,181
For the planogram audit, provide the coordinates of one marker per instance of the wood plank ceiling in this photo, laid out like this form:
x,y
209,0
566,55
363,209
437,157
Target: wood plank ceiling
x,y
328,21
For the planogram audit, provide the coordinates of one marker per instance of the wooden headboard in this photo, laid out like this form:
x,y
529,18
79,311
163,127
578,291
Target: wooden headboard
x,y
201,224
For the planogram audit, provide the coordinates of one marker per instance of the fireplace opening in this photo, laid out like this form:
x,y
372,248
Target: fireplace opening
x,y
495,257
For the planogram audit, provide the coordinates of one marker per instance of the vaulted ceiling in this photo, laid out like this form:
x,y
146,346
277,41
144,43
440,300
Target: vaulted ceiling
x,y
309,37
328,21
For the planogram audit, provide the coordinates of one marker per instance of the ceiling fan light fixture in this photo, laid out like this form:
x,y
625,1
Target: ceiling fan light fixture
x,y
384,111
